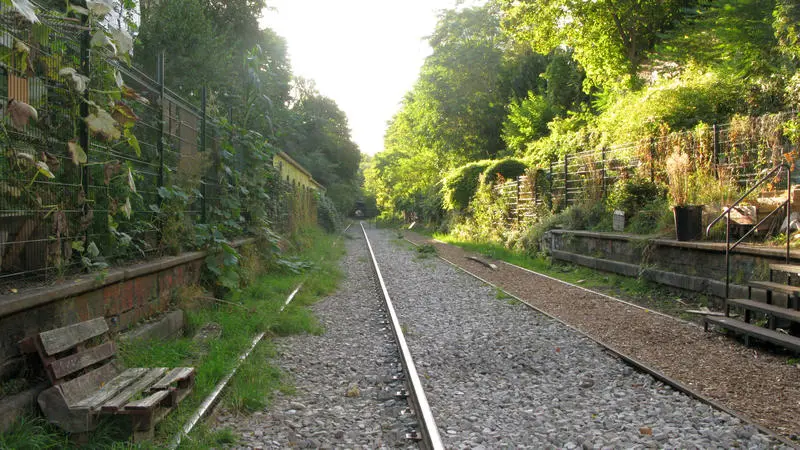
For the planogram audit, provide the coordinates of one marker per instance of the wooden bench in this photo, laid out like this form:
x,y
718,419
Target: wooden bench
x,y
80,361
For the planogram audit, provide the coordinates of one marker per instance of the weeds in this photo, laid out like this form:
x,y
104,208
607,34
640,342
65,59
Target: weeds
x,y
34,434
426,250
245,313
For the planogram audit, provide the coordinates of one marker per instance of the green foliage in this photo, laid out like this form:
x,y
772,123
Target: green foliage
x,y
508,168
260,302
631,195
426,250
327,215
460,185
320,141
526,121
787,28
34,434
654,216
609,38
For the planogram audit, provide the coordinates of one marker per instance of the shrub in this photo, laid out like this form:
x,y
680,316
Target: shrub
x,y
509,168
489,212
460,185
652,217
632,195
327,214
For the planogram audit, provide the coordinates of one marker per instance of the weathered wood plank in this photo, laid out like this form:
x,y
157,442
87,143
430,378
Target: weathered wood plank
x,y
149,402
78,389
60,339
784,340
777,311
176,374
73,363
142,383
775,287
94,398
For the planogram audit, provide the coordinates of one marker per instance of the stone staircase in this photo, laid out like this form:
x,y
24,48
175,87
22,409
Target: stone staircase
x,y
776,315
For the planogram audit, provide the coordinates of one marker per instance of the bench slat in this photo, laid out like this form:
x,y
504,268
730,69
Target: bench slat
x,y
142,383
73,363
176,374
110,389
60,339
146,403
76,390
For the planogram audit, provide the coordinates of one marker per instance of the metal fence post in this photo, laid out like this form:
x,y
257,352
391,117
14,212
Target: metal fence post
x,y
603,171
202,150
566,180
83,128
160,144
652,159
715,145
550,184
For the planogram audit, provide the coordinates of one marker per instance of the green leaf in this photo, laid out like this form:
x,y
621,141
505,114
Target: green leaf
x,y
44,169
133,142
92,250
78,246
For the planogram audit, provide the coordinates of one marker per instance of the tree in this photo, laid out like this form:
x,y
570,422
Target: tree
x,y
609,37
319,139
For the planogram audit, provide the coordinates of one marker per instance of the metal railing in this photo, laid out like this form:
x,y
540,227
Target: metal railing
x,y
726,213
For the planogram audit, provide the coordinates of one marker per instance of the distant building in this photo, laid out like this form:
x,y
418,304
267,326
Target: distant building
x,y
293,173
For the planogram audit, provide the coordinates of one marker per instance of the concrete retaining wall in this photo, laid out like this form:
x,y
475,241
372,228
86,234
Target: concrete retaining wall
x,y
692,266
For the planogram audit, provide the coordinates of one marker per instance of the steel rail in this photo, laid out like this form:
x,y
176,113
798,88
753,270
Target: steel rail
x,y
639,365
212,397
428,429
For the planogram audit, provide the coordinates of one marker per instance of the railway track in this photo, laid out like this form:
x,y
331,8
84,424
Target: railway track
x,y
478,368
426,430
499,374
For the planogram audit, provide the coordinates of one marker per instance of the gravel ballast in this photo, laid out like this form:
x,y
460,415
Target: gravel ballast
x,y
500,375
343,379
759,385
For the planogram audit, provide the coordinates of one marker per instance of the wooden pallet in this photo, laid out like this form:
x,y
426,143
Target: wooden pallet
x,y
80,361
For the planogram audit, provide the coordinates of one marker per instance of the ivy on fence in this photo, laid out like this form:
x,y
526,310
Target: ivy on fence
x,y
100,162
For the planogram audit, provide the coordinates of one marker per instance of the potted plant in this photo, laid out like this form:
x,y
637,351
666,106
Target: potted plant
x,y
682,194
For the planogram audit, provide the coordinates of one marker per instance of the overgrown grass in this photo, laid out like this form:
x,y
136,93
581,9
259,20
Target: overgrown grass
x,y
241,317
635,290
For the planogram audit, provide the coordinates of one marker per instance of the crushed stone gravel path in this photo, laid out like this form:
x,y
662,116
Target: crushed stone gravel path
x,y
761,386
343,378
501,375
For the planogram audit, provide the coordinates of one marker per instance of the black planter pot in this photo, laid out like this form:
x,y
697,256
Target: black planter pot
x,y
688,222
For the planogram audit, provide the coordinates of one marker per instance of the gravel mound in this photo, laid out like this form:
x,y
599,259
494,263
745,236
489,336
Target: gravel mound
x,y
500,375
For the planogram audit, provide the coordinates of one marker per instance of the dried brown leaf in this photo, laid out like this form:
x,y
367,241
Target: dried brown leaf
x,y
110,169
20,113
76,153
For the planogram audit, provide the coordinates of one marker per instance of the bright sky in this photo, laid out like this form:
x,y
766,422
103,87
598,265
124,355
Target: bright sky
x,y
364,54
